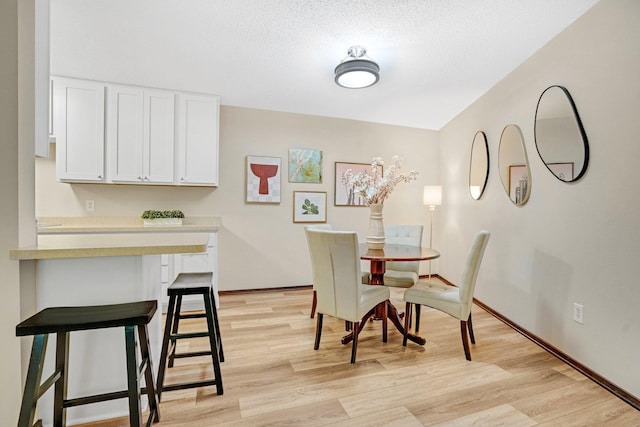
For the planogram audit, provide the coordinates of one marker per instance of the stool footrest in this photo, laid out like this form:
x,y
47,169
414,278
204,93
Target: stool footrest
x,y
69,403
192,354
48,383
193,316
183,386
189,335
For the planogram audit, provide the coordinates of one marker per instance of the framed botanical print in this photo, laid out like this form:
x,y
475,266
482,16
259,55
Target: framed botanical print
x,y
309,206
263,179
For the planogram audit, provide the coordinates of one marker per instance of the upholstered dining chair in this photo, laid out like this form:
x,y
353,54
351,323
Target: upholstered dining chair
x,y
335,262
314,302
455,301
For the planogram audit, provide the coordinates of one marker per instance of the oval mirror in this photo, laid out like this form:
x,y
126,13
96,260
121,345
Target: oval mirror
x,y
479,167
513,165
560,138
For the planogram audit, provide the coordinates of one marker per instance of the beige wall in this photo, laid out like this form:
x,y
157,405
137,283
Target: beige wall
x,y
260,246
571,242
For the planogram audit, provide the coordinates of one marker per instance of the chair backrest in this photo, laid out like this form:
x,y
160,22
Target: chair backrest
x,y
410,235
335,262
471,268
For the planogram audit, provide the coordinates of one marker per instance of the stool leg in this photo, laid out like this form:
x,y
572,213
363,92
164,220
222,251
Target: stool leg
x,y
217,325
34,376
174,330
60,389
165,345
133,385
143,337
208,304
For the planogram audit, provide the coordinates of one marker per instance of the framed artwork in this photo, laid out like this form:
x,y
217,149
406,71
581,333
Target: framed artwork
x,y
263,179
518,183
309,206
564,171
305,165
344,195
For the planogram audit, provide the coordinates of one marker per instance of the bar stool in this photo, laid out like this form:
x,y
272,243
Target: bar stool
x,y
191,284
62,321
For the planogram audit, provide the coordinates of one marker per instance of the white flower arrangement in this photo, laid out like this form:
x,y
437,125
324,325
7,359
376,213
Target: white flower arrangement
x,y
372,185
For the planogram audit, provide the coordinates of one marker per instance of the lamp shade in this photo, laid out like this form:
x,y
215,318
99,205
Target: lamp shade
x,y
432,195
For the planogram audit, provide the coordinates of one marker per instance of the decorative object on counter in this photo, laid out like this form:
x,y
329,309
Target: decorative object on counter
x,y
263,179
375,188
310,206
305,165
154,218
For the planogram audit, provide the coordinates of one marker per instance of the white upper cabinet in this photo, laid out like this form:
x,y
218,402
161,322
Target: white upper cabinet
x,y
78,121
140,135
198,139
137,133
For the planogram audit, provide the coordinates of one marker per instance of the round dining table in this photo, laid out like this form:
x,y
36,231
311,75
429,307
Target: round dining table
x,y
378,259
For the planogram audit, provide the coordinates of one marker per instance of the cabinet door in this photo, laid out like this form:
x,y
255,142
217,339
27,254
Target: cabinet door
x,y
159,140
124,133
198,139
79,113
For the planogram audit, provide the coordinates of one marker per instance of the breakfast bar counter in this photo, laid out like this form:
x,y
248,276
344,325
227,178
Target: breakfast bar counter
x,y
87,268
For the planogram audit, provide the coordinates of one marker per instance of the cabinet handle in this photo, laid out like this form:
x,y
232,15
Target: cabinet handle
x,y
140,178
99,176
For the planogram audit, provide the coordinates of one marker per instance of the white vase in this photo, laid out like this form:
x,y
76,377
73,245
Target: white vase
x,y
375,234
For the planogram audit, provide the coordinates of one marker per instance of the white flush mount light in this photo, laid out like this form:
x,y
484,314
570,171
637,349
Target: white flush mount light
x,y
357,70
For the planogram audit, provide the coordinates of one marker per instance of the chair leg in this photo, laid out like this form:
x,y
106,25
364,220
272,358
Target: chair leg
x,y
32,385
316,345
465,340
417,329
209,308
143,337
217,326
174,329
354,343
314,302
385,306
60,388
470,327
407,315
165,346
133,385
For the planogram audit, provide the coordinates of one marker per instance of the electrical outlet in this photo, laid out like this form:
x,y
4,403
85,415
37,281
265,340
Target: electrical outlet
x,y
90,205
578,313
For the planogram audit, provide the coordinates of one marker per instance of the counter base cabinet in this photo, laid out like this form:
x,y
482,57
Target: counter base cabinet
x,y
205,262
149,136
97,359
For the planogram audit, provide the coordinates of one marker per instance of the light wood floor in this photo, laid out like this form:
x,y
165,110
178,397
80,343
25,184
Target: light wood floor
x,y
272,375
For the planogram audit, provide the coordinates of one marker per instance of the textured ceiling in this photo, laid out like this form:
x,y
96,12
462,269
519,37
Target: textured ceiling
x,y
436,56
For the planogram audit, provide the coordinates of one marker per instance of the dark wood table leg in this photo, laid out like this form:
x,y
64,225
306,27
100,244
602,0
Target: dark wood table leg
x,y
394,316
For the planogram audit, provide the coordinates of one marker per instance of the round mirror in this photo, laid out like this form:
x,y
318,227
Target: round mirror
x,y
560,138
479,167
513,165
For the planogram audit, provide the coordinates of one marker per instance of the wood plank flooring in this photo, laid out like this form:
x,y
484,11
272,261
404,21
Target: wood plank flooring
x,y
272,375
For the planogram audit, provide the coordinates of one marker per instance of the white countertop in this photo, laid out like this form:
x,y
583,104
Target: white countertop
x,y
82,237
87,245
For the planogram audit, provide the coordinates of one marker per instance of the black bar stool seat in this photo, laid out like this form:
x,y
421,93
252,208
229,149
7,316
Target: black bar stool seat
x,y
191,284
63,320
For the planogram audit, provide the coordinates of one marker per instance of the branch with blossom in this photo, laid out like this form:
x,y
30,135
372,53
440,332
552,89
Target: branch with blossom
x,y
372,185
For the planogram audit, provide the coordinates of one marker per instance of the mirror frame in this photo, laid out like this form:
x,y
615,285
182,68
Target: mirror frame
x,y
525,158
471,164
583,134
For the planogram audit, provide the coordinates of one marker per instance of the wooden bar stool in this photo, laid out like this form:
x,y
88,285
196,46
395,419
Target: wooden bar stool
x,y
62,321
191,284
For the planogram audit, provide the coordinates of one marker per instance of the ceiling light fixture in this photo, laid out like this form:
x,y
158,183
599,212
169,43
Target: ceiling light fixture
x,y
357,70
